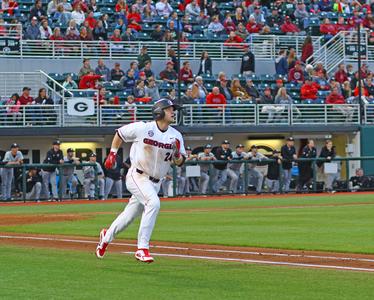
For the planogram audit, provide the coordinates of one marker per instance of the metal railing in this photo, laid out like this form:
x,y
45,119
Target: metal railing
x,y
263,47
193,115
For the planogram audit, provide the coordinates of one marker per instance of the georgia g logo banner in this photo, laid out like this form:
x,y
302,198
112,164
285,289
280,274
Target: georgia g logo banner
x,y
80,107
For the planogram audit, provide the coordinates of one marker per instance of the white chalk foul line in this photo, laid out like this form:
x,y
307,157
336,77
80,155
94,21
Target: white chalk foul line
x,y
191,249
259,261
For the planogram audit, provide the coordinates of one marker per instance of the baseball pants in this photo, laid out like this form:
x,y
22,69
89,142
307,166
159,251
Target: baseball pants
x,y
65,180
49,177
89,187
35,192
203,182
6,182
287,175
219,178
259,177
234,175
273,185
109,182
144,201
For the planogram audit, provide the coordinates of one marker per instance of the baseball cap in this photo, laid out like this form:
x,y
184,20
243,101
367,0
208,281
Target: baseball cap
x,y
188,148
142,73
26,89
298,62
70,150
225,142
240,146
170,63
56,142
279,81
208,146
253,147
14,145
267,88
291,139
93,154
117,64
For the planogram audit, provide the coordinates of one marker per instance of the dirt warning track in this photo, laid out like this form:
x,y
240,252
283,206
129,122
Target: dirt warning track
x,y
291,258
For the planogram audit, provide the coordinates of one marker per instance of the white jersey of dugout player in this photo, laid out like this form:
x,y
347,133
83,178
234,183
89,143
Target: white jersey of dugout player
x,y
152,149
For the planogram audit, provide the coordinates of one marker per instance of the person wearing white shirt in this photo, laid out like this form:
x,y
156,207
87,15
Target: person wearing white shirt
x,y
193,9
163,8
78,15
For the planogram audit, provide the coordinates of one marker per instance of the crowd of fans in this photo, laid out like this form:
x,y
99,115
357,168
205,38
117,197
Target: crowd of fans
x,y
220,168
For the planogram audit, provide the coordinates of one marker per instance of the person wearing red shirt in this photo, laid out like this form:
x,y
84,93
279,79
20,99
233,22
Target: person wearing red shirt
x,y
89,81
116,37
341,75
216,98
91,20
289,27
252,26
296,74
121,6
134,25
309,90
341,25
307,49
185,74
134,15
56,36
335,97
233,41
101,96
328,29
25,98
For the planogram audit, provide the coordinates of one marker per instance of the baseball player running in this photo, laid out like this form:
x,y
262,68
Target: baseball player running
x,y
155,145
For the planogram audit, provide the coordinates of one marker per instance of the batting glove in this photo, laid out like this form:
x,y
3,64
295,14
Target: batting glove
x,y
177,148
111,160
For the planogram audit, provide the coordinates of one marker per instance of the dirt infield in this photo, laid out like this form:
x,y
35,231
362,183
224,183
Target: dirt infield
x,y
292,258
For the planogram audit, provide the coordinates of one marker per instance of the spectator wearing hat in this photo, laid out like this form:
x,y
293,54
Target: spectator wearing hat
x,y
272,177
86,68
281,63
89,181
25,98
143,57
113,178
68,177
288,154
206,155
296,74
247,66
223,153
234,168
288,27
305,167
33,184
266,97
54,157
13,157
117,73
102,70
253,154
169,75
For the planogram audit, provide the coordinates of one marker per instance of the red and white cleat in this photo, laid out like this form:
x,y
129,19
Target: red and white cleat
x,y
101,247
143,256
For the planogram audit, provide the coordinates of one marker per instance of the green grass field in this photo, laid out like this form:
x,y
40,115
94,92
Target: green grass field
x,y
56,274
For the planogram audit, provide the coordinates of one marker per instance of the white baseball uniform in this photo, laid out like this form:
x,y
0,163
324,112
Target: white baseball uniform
x,y
151,155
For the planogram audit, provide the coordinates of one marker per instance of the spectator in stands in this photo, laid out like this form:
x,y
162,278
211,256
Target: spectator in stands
x,y
61,15
212,9
93,7
116,37
85,34
347,91
288,154
25,97
101,96
9,6
143,57
52,7
157,35
307,49
187,97
120,25
151,90
228,23
252,26
309,90
274,20
216,100
193,9
253,154
206,155
13,157
147,69
117,73
139,91
239,17
67,5
72,30
241,31
223,153
185,74
91,20
205,64
202,19
128,82
78,15
56,36
238,91
305,167
247,66
369,86
291,58
33,31
99,32
288,27
273,174
13,108
233,40
215,26
282,97
296,74
163,8
150,7
335,97
102,70
325,5
278,84
45,30
266,97
328,29
341,75
252,91
69,83
38,11
302,15
43,98
281,64
121,7
89,181
169,75
225,90
86,68
89,81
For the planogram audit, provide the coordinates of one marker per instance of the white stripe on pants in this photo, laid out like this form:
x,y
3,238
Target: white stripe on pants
x,y
109,182
144,200
6,182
